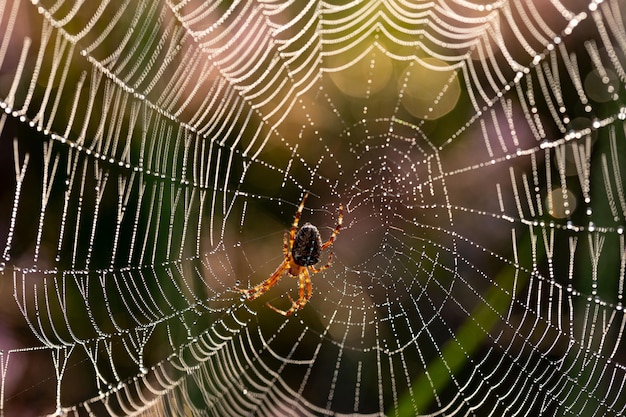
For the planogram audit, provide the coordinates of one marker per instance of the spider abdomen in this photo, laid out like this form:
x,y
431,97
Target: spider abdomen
x,y
307,245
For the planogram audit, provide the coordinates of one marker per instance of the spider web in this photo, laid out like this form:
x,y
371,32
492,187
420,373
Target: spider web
x,y
154,153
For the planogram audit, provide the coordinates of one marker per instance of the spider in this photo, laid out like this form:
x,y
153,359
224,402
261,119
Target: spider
x,y
302,250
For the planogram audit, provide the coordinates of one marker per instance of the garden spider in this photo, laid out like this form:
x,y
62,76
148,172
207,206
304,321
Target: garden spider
x,y
302,250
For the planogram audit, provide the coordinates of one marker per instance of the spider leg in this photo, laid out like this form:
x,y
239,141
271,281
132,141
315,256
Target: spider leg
x,y
259,290
320,269
304,280
285,245
336,231
285,313
296,220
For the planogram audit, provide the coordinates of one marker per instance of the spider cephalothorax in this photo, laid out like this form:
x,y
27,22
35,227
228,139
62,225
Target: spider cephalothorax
x,y
302,250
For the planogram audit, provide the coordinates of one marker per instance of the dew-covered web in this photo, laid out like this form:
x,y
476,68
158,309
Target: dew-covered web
x,y
153,154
